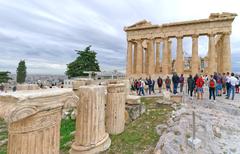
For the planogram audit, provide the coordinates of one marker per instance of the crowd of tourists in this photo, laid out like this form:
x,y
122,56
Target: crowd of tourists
x,y
218,85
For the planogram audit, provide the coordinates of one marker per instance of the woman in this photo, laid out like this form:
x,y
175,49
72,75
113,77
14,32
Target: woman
x,y
191,85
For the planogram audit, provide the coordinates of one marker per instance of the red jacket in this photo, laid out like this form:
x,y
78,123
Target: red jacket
x,y
200,82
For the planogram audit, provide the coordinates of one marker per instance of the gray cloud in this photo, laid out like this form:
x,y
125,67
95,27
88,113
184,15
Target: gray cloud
x,y
45,33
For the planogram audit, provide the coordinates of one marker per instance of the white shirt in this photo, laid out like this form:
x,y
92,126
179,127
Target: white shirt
x,y
228,79
233,80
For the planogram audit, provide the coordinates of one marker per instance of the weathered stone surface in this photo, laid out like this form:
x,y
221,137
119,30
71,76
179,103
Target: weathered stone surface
x,y
132,99
34,119
90,136
115,108
135,111
21,87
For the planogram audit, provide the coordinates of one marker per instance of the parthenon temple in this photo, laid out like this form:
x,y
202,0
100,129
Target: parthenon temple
x,y
144,39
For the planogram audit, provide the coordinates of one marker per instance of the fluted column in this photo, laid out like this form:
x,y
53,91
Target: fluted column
x,y
165,59
226,53
135,55
129,59
169,56
38,134
195,58
151,68
146,60
212,66
90,136
179,58
115,108
139,62
157,69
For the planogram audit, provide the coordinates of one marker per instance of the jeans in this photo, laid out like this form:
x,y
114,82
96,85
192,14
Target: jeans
x,y
212,93
181,87
141,90
175,85
228,89
232,90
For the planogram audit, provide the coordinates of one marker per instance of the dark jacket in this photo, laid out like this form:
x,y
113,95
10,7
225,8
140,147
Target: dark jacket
x,y
191,83
175,79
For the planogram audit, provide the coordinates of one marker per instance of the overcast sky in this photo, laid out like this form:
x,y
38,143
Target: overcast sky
x,y
45,33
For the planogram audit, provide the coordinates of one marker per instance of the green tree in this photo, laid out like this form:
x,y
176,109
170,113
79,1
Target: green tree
x,y
4,77
21,72
86,61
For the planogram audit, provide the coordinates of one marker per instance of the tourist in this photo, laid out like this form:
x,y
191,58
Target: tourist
x,y
181,81
175,80
233,82
153,86
199,84
195,87
149,83
212,86
141,89
237,85
224,83
191,85
219,85
160,83
228,85
168,84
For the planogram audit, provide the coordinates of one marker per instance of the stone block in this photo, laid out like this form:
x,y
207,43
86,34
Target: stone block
x,y
131,99
194,143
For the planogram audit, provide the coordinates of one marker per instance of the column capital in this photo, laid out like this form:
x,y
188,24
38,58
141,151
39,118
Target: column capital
x,y
211,34
226,33
179,37
195,35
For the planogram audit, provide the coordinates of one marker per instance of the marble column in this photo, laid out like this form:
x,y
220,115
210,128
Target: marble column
x,y
146,60
139,62
212,67
129,59
135,55
226,56
195,57
151,67
165,59
115,108
157,69
170,56
34,120
90,136
179,58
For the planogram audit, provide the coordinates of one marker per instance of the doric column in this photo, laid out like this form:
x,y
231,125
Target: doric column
x,y
151,68
146,60
135,55
115,108
212,66
34,119
179,58
129,59
157,69
226,53
195,58
90,136
139,62
165,59
170,56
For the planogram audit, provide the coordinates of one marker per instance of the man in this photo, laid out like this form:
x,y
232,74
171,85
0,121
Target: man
x,y
224,83
191,84
200,83
181,81
219,85
212,86
168,84
228,85
233,81
141,90
149,83
175,80
160,83
153,86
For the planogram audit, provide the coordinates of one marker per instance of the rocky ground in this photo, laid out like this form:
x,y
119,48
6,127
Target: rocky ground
x,y
217,125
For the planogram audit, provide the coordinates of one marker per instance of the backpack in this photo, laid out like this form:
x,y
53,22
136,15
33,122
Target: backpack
x,y
212,83
159,81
